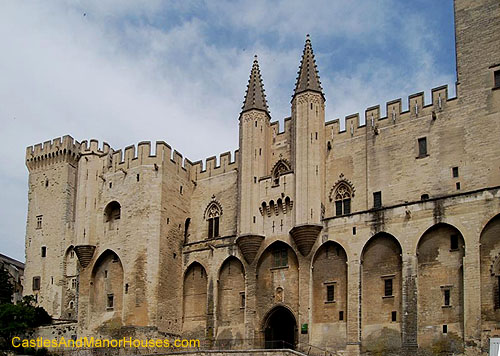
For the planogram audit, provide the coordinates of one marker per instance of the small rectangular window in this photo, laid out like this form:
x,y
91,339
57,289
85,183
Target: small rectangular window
x,y
496,74
138,177
73,283
280,258
106,273
242,299
388,287
36,283
110,301
44,251
445,329
39,221
394,315
457,185
330,293
422,147
446,297
341,315
354,230
454,171
377,200
454,242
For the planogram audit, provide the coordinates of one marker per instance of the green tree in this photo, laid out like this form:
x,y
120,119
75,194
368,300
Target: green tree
x,y
6,286
16,319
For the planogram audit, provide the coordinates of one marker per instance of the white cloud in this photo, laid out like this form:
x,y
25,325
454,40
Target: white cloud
x,y
127,71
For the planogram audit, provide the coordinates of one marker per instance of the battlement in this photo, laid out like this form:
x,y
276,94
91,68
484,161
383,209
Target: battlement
x,y
93,148
275,127
225,164
394,113
59,149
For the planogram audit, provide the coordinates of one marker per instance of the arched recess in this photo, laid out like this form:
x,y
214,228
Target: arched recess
x,y
280,328
112,215
440,253
277,279
194,301
71,280
381,292
490,274
329,302
106,295
231,300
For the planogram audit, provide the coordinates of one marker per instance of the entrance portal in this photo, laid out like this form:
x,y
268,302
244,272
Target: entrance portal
x,y
280,329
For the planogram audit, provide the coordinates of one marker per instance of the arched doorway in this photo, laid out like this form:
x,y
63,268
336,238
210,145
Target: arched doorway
x,y
280,329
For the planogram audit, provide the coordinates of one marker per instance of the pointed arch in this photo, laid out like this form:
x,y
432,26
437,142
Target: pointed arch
x,y
282,166
212,215
106,293
231,299
342,194
490,272
440,252
194,301
329,299
381,286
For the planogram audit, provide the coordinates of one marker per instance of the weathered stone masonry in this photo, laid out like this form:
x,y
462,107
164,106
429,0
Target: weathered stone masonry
x,y
388,230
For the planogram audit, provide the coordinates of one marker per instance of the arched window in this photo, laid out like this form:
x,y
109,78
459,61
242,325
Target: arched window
x,y
343,195
279,169
112,211
212,215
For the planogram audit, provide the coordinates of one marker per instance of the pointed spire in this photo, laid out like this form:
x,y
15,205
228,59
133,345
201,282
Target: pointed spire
x,y
255,97
308,77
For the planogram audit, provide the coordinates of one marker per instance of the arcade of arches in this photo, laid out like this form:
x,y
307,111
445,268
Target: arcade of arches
x,y
276,272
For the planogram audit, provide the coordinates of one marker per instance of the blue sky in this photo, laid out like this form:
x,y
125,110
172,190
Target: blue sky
x,y
128,71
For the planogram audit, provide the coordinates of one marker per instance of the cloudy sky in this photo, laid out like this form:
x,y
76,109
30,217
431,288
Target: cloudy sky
x,y
125,71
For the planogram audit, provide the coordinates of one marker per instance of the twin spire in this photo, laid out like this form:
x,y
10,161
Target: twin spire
x,y
307,79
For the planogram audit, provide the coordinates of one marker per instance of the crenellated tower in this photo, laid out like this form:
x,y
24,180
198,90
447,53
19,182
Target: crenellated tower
x,y
308,121
254,162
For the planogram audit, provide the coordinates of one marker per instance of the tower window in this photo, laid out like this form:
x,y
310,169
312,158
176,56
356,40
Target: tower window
x,y
138,177
445,329
180,190
72,254
280,168
110,302
457,185
36,283
280,257
394,315
341,315
39,221
454,242
454,171
330,293
424,196
242,300
112,212
343,195
388,287
377,200
446,294
422,147
73,283
44,251
496,74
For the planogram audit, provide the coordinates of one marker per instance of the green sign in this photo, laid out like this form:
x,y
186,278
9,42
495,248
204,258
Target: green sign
x,y
304,328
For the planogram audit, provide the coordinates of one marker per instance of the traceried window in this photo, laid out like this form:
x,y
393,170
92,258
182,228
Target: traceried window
x,y
280,168
212,215
343,196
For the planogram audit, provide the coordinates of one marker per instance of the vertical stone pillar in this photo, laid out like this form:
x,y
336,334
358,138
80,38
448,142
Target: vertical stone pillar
x,y
353,308
472,293
304,301
409,326
251,324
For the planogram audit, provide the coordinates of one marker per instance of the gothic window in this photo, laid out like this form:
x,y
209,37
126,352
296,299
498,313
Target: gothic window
x,y
212,215
280,168
343,196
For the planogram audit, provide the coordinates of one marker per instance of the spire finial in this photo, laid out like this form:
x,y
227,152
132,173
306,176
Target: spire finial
x,y
255,97
308,77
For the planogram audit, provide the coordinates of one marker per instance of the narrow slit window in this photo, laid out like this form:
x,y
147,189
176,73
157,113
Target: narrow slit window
x,y
454,172
496,75
110,301
44,251
377,200
394,316
242,299
446,297
422,147
36,283
341,315
388,287
330,293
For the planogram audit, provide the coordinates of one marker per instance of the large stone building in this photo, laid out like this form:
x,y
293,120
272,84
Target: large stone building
x,y
385,234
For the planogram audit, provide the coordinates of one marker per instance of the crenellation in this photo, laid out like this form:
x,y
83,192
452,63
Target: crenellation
x,y
335,232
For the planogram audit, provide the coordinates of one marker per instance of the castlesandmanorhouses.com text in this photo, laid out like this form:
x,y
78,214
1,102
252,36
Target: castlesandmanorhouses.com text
x,y
91,342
